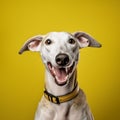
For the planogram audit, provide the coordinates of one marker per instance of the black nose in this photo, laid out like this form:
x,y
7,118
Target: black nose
x,y
62,59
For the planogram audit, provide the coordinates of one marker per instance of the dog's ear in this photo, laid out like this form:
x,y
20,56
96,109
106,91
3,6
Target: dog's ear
x,y
32,44
86,40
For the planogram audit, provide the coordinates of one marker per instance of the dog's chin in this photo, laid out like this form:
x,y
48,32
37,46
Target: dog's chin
x,y
61,74
60,83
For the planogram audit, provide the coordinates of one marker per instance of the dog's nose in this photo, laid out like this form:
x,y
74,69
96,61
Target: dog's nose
x,y
62,59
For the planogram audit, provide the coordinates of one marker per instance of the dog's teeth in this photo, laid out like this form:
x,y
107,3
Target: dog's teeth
x,y
66,77
66,70
53,70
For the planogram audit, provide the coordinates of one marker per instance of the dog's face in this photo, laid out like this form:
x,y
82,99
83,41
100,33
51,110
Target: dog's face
x,y
60,52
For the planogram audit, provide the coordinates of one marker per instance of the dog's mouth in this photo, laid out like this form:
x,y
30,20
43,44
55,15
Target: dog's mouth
x,y
61,74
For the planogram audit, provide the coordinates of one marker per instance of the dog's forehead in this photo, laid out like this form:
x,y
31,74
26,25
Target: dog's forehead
x,y
58,35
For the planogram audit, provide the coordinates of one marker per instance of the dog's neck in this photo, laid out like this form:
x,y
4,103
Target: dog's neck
x,y
57,90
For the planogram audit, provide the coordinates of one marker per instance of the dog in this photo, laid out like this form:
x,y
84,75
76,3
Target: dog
x,y
62,99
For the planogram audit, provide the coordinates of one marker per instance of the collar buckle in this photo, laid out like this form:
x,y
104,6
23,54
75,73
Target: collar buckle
x,y
51,98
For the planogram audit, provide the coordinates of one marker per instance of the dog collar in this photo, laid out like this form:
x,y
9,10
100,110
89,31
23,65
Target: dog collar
x,y
63,98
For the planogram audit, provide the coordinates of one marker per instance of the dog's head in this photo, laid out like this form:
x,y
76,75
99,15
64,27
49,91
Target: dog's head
x,y
60,52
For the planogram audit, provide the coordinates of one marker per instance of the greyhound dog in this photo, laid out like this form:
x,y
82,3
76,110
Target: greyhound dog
x,y
62,99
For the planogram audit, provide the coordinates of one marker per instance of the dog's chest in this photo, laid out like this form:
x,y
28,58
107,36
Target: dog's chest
x,y
54,111
62,112
67,111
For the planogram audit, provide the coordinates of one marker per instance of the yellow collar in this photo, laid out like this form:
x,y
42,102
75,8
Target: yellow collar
x,y
63,98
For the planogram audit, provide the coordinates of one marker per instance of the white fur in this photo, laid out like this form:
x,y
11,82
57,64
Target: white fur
x,y
77,108
50,111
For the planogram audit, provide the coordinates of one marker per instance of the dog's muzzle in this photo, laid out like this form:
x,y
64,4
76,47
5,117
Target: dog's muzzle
x,y
63,69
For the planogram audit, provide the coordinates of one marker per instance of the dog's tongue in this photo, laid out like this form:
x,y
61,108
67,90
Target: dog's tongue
x,y
60,74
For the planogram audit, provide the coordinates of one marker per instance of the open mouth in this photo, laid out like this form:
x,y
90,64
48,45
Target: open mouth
x,y
61,74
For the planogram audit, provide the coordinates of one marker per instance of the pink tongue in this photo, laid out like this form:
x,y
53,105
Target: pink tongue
x,y
61,74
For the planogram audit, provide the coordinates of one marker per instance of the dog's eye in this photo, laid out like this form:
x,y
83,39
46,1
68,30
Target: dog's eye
x,y
48,42
71,41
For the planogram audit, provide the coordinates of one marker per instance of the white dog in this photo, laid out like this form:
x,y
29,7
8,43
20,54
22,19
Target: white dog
x,y
62,99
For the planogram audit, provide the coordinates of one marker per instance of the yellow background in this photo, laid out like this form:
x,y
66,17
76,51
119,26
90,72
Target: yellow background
x,y
22,76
